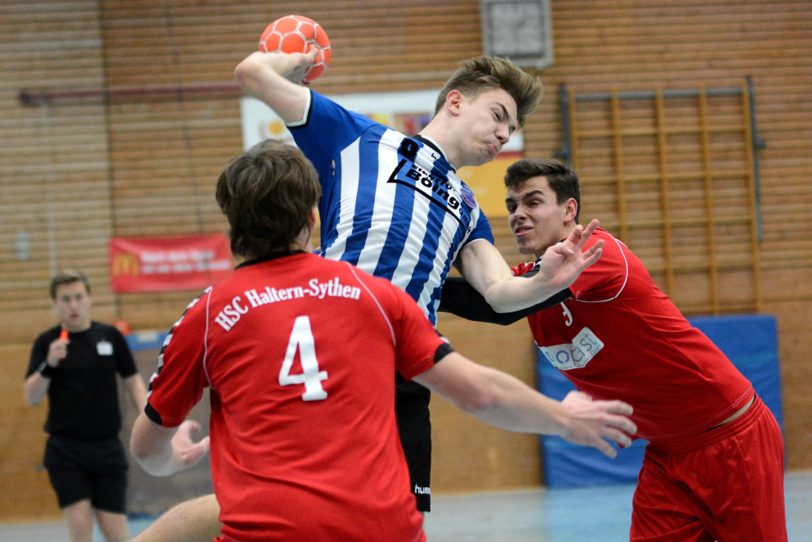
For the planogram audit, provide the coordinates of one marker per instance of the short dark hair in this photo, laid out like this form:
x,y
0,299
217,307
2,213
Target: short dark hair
x,y
68,276
562,179
267,194
483,73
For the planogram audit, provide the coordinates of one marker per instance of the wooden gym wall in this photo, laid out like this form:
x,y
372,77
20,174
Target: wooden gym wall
x,y
143,159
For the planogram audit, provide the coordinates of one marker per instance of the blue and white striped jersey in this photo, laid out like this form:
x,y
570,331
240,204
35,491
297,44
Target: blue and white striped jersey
x,y
392,204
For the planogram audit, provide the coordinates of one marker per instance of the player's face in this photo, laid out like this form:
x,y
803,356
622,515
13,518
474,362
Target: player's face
x,y
535,217
72,304
486,124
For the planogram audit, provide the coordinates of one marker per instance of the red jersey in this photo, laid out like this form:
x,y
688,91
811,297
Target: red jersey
x,y
300,355
620,337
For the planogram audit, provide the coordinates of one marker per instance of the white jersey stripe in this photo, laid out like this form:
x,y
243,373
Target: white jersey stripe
x,y
349,192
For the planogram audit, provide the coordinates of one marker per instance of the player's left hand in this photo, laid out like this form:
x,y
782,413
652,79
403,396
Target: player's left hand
x,y
186,452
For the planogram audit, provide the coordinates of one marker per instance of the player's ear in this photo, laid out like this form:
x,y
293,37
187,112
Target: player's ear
x,y
453,101
311,218
570,210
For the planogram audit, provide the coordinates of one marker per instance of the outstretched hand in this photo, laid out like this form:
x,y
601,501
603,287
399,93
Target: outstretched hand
x,y
185,450
597,423
564,261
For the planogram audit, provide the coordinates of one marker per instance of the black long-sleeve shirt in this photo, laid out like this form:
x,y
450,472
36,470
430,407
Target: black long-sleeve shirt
x,y
461,299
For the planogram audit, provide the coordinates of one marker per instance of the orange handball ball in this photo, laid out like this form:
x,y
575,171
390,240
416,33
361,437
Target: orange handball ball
x,y
298,34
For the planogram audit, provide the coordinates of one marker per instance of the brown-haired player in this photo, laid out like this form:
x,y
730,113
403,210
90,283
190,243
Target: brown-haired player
x,y
714,465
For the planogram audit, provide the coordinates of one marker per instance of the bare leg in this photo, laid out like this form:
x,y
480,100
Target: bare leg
x,y
79,517
113,526
190,521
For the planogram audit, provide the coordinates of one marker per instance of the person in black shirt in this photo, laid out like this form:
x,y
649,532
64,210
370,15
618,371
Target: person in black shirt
x,y
75,363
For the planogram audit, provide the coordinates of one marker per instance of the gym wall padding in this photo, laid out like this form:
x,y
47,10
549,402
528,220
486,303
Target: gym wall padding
x,y
750,341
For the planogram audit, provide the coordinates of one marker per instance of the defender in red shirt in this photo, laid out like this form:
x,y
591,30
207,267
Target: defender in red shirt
x,y
714,466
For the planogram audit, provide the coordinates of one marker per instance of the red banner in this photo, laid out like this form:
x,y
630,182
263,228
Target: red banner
x,y
160,264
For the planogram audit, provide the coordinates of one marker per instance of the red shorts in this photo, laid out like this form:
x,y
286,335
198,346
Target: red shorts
x,y
728,487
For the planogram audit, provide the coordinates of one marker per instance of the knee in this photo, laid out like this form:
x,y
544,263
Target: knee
x,y
113,526
79,518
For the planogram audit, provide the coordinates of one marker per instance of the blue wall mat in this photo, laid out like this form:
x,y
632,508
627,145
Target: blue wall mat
x,y
750,341
145,340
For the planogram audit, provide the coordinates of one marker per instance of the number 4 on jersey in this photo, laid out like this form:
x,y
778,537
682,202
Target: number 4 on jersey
x,y
301,339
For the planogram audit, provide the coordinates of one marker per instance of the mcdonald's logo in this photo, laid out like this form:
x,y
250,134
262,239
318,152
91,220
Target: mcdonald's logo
x,y
126,264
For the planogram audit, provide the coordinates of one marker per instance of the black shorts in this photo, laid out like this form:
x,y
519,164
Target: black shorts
x,y
94,470
414,426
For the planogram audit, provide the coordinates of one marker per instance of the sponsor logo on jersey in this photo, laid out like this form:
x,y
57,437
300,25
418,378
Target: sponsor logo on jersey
x,y
415,170
575,355
435,187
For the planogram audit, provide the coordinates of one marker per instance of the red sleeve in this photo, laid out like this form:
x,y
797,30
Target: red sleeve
x,y
416,340
605,279
178,382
